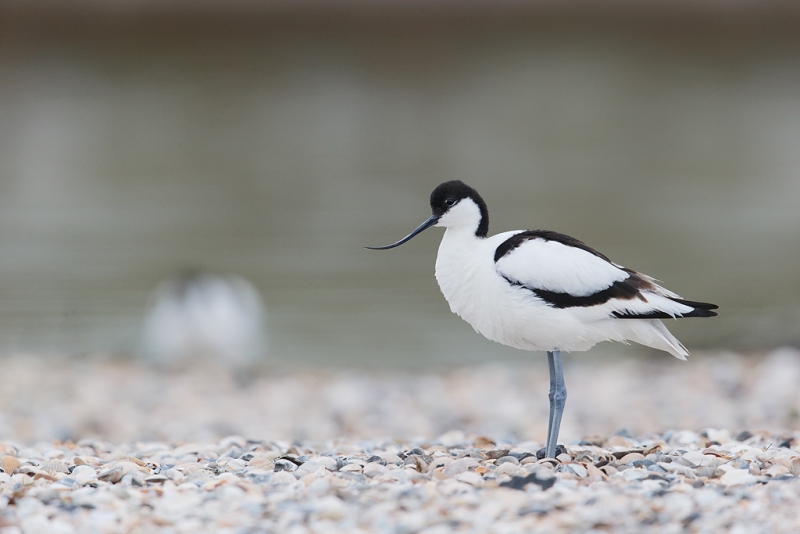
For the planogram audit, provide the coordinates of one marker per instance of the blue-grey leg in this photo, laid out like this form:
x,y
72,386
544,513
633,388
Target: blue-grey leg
x,y
558,398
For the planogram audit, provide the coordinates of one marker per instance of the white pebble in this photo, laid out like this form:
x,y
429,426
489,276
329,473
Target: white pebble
x,y
84,473
374,469
736,477
460,466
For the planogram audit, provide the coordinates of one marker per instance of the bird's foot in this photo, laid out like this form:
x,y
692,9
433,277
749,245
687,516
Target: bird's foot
x,y
560,449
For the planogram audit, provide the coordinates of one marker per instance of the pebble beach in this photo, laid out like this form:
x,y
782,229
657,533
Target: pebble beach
x,y
651,445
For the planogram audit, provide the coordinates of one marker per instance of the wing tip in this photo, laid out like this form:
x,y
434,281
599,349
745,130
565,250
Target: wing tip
x,y
699,309
696,304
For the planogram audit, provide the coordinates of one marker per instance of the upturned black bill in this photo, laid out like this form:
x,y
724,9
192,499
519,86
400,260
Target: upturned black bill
x,y
427,224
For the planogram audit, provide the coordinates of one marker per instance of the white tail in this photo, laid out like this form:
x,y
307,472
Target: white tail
x,y
653,333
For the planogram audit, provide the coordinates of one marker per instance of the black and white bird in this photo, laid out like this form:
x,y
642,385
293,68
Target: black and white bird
x,y
542,290
202,317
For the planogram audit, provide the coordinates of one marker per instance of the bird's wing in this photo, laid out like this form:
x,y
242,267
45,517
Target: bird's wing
x,y
555,263
566,273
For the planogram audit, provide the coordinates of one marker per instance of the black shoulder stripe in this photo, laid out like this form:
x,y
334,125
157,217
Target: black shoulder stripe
x,y
548,235
556,299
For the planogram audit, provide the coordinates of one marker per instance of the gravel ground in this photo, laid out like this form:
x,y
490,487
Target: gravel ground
x,y
113,446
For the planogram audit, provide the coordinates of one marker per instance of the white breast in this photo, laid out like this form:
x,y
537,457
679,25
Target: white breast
x,y
466,274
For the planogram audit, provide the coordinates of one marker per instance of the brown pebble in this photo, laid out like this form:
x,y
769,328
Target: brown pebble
x,y
654,449
421,463
438,473
9,464
496,453
786,462
137,461
776,470
258,462
482,442
631,457
618,441
595,472
716,453
623,453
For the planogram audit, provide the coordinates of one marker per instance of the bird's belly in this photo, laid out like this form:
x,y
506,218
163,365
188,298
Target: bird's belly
x,y
510,315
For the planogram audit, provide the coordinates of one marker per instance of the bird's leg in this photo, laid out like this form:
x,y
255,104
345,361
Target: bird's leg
x,y
558,398
551,396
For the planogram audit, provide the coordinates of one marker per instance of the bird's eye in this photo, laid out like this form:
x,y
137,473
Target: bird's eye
x,y
450,202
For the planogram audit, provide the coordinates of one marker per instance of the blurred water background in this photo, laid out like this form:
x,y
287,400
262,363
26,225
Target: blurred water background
x,y
138,140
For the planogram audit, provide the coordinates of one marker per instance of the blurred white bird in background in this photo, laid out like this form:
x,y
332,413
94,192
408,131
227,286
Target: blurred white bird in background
x,y
200,317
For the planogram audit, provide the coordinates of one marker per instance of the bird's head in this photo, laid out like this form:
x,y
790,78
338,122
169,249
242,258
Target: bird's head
x,y
454,204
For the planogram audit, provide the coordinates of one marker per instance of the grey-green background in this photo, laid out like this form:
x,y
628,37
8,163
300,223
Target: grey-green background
x,y
275,144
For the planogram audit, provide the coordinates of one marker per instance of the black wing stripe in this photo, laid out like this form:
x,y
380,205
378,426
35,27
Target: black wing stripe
x,y
548,235
556,299
622,290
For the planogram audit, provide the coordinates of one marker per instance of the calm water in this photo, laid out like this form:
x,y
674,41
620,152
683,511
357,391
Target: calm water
x,y
277,150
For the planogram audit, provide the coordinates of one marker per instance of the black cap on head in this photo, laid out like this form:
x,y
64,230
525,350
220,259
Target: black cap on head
x,y
448,194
